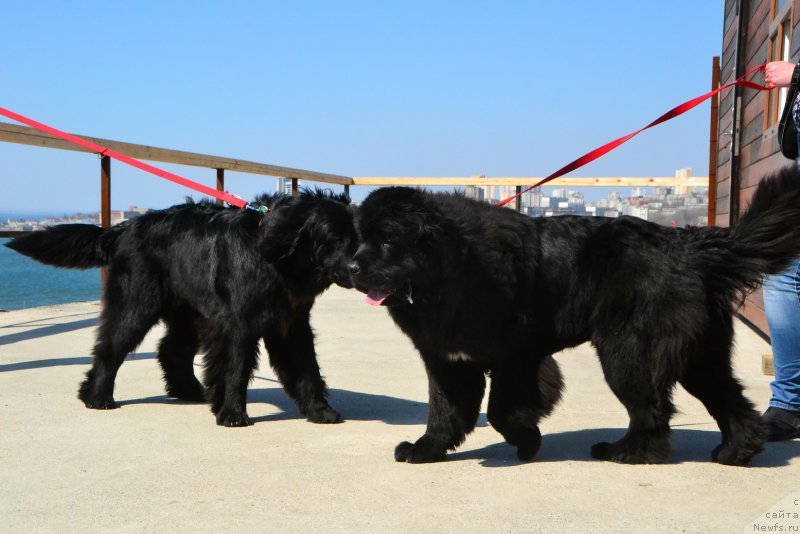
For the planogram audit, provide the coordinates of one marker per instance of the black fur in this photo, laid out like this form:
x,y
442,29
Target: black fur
x,y
481,289
220,279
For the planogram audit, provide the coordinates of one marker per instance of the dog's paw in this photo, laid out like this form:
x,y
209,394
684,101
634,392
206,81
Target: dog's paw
x,y
731,455
191,393
602,451
326,415
105,402
624,453
526,439
416,453
528,443
748,442
233,418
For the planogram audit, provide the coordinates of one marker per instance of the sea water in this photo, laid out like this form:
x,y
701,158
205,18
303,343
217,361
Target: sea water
x,y
25,283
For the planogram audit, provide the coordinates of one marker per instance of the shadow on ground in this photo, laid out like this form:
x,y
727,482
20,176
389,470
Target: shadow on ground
x,y
687,446
49,330
353,405
60,362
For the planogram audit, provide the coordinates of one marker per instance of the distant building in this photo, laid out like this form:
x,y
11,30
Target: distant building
x,y
131,213
496,193
284,185
607,212
117,216
474,191
663,192
639,211
536,211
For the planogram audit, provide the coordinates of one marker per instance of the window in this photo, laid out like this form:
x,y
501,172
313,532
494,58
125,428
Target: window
x,y
780,38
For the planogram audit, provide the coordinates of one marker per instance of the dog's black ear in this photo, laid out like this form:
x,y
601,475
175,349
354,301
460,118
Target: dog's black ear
x,y
424,220
281,232
429,224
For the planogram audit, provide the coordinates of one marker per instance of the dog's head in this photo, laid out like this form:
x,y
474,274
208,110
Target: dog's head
x,y
397,259
310,238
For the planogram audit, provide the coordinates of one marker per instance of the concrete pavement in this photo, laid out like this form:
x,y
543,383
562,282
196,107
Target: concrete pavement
x,y
159,465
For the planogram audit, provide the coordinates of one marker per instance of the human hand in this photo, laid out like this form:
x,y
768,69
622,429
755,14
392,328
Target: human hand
x,y
778,73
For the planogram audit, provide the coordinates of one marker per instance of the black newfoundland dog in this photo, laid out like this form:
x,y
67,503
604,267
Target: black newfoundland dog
x,y
485,290
220,279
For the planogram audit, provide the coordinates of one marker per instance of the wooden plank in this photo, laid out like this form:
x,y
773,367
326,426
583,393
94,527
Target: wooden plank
x,y
24,135
755,314
105,192
695,181
712,143
220,184
105,205
767,365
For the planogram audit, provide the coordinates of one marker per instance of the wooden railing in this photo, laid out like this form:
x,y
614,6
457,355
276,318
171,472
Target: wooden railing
x,y
24,135
11,133
567,181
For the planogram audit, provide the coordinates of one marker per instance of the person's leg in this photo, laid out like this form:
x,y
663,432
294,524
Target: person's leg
x,y
782,306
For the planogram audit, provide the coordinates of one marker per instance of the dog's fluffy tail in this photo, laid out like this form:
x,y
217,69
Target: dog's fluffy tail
x,y
764,241
74,246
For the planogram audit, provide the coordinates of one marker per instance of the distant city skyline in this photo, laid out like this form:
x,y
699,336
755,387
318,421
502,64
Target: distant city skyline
x,y
663,205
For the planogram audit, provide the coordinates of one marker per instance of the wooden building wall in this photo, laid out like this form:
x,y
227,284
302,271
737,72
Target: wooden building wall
x,y
758,146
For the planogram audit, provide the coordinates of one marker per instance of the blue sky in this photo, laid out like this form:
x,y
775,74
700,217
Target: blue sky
x,y
355,88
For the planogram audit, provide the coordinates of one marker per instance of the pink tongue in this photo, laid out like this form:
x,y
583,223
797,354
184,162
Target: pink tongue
x,y
375,297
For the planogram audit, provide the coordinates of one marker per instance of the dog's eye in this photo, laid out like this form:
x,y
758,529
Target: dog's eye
x,y
386,247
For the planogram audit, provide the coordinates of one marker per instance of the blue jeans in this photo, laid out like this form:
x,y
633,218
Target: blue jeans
x,y
782,305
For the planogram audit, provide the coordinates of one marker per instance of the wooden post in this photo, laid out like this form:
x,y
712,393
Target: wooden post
x,y
712,145
739,69
220,183
105,203
105,191
518,191
294,187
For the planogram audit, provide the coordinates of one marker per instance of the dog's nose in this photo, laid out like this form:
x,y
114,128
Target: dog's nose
x,y
354,268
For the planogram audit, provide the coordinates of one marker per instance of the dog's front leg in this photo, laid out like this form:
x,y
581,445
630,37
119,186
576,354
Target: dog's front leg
x,y
294,360
230,363
455,390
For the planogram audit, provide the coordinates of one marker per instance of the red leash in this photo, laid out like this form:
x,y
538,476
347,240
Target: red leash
x,y
104,151
608,147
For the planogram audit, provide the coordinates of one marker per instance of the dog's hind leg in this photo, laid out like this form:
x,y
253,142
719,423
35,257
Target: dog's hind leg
x,y
523,391
629,371
455,391
129,312
709,377
176,352
294,360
